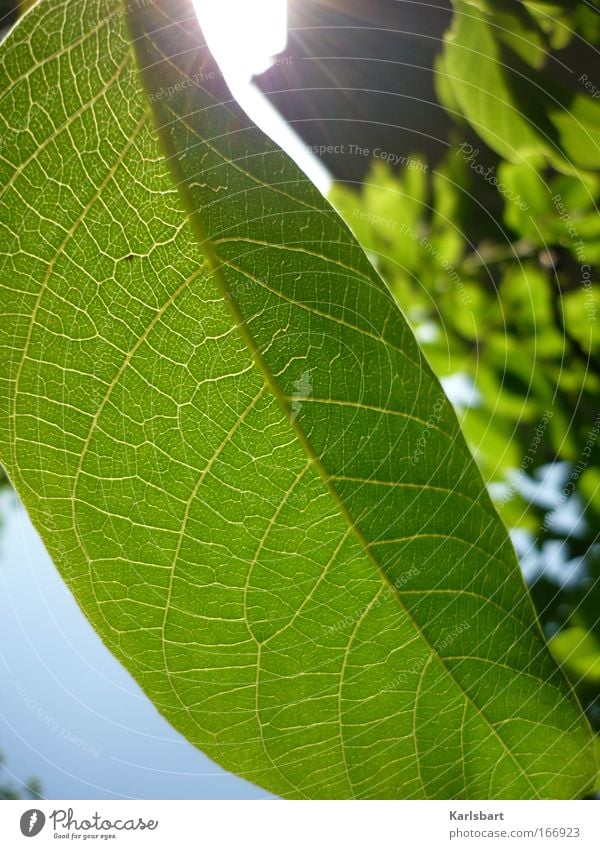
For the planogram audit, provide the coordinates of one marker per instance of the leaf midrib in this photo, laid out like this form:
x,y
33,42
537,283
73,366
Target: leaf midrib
x,y
216,267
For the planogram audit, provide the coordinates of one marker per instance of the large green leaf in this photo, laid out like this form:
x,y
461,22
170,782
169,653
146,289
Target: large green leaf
x,y
225,433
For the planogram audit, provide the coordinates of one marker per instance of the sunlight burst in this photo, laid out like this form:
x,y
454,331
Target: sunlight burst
x,y
243,36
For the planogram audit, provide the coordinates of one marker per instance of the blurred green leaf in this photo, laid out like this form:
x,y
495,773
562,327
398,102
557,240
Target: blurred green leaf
x,y
578,652
516,111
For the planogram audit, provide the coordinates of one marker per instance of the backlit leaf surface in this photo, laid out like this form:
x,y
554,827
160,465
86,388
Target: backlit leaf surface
x,y
225,433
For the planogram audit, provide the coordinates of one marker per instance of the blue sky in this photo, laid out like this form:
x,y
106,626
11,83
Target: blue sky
x,y
69,712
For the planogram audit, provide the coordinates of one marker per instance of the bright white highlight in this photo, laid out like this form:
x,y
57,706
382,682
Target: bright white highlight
x,y
244,36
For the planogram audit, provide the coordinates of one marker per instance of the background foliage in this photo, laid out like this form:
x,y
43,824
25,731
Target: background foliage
x,y
493,255
10,791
